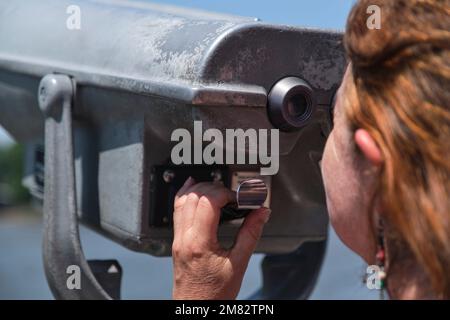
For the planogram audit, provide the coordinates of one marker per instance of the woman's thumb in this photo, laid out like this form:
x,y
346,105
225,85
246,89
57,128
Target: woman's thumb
x,y
249,234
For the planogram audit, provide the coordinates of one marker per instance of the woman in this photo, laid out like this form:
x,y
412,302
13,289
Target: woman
x,y
389,149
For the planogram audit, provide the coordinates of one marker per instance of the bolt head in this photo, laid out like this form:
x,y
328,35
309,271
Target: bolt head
x,y
168,176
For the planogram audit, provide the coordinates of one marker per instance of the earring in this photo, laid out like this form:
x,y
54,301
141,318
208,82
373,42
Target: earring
x,y
380,258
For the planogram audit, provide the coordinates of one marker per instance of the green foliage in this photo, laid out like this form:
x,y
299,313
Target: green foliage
x,y
11,172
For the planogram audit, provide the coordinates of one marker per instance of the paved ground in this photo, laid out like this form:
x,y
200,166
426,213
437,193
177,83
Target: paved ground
x,y
146,277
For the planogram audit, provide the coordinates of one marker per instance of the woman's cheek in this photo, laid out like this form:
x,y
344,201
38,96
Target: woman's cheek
x,y
343,195
338,191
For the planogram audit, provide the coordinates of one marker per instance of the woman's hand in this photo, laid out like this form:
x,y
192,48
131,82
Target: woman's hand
x,y
202,268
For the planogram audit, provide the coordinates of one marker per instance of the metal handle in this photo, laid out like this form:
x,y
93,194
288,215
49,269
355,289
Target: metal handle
x,y
251,194
62,247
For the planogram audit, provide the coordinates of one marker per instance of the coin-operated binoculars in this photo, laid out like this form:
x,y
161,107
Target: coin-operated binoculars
x,y
136,99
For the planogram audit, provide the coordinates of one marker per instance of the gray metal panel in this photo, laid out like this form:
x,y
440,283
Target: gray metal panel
x,y
133,46
119,41
142,71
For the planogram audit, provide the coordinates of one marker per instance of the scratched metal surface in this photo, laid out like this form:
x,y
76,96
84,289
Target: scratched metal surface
x,y
143,70
161,50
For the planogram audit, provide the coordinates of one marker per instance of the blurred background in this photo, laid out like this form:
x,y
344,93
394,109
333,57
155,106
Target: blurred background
x,y
21,270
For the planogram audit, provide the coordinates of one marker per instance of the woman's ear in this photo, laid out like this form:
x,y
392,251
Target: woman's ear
x,y
368,147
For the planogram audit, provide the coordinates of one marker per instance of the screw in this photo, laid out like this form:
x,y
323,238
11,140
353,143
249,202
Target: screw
x,y
216,175
43,94
168,176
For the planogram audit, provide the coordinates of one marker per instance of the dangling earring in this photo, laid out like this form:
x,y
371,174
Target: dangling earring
x,y
380,258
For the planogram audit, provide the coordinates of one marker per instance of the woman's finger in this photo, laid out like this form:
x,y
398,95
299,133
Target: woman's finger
x,y
207,216
187,184
249,235
188,200
181,220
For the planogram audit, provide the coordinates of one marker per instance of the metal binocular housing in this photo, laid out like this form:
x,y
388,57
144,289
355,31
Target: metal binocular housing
x,y
97,107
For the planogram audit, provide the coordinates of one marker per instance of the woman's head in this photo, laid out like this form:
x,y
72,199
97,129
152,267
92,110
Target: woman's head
x,y
388,157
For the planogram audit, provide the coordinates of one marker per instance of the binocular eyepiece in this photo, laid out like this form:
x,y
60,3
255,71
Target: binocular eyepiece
x,y
291,103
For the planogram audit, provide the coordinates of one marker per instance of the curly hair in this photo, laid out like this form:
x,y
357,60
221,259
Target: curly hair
x,y
401,78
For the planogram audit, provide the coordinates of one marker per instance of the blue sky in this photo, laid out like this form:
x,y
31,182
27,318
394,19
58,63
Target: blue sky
x,y
311,13
330,14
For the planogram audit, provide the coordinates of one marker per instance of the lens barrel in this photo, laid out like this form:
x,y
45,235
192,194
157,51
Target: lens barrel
x,y
290,104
